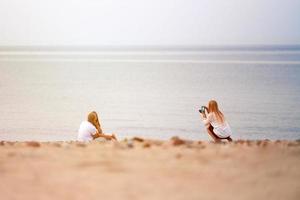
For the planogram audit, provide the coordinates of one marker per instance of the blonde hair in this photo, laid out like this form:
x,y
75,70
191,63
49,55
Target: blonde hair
x,y
213,108
93,119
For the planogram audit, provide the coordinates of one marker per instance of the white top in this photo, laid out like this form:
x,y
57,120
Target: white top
x,y
85,132
221,130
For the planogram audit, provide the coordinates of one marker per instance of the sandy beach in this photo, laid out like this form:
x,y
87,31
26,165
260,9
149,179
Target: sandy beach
x,y
150,169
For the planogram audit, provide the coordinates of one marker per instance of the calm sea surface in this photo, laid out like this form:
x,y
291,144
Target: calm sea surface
x,y
44,95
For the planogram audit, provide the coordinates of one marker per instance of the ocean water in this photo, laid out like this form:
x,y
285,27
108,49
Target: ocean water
x,y
44,95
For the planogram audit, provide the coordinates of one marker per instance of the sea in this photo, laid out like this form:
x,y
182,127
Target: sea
x,y
150,92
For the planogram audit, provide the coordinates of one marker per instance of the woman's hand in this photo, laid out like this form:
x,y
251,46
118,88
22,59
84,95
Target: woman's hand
x,y
203,115
113,136
108,137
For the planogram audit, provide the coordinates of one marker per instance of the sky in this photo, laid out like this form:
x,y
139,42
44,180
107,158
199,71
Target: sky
x,y
149,22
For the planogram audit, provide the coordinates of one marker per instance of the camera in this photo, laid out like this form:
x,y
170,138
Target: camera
x,y
202,109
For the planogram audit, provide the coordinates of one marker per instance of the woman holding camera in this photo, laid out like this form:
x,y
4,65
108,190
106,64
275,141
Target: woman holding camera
x,y
216,125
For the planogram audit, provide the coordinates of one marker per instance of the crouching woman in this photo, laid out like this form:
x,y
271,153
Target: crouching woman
x,y
215,123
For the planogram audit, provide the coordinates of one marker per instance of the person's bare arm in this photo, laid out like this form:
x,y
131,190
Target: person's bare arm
x,y
203,115
206,119
100,130
108,137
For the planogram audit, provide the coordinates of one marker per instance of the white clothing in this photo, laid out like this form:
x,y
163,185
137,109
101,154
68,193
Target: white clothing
x,y
85,132
221,130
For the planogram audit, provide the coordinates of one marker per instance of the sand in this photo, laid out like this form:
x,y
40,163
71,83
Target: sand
x,y
150,169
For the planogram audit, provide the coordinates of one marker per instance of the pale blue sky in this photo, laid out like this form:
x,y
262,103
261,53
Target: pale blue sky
x,y
151,22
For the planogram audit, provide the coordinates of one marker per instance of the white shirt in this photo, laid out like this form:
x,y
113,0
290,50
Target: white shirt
x,y
85,132
220,129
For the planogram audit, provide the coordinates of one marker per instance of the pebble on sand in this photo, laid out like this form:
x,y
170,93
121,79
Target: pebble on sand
x,y
147,145
176,141
138,139
33,144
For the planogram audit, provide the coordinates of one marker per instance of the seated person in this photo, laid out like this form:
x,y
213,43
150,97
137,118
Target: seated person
x,y
91,129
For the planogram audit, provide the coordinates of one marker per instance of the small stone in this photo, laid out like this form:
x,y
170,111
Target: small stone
x,y
147,145
138,139
176,141
33,144
240,142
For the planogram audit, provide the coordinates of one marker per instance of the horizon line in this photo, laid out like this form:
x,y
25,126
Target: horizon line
x,y
239,47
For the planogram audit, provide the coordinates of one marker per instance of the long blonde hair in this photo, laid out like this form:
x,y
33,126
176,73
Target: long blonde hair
x,y
213,108
93,119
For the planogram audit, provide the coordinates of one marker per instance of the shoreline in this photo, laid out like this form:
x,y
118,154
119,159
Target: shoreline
x,y
138,138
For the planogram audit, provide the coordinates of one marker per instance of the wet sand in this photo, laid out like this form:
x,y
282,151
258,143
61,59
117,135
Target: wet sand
x,y
150,169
